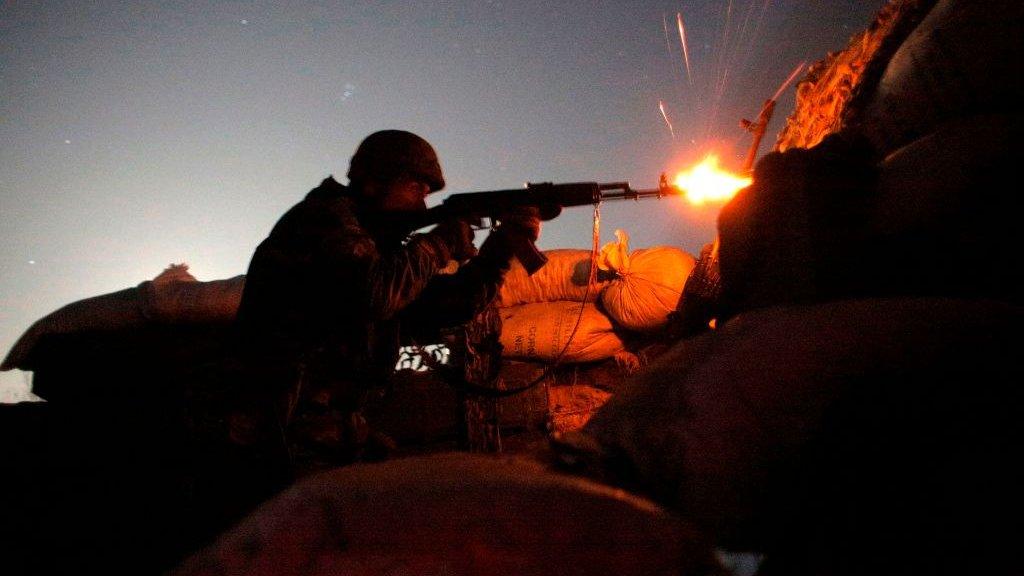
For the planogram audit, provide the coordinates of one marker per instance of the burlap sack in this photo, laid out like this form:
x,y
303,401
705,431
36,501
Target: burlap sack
x,y
564,277
106,313
963,59
183,302
454,514
852,432
173,297
648,284
540,331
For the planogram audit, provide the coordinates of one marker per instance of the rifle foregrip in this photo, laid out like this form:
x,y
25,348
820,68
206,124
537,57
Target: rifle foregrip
x,y
530,257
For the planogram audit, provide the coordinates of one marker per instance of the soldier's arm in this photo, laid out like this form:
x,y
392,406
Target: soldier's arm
x,y
454,299
385,281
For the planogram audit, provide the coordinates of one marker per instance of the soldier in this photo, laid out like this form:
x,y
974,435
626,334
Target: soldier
x,y
334,288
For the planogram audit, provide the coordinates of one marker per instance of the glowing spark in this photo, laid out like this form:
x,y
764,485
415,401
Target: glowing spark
x,y
743,29
686,49
743,44
661,106
788,80
706,182
664,27
722,54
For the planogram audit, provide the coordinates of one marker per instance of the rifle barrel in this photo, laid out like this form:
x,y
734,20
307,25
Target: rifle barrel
x,y
623,191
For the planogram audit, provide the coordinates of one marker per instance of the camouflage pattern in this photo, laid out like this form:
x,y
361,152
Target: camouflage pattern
x,y
327,304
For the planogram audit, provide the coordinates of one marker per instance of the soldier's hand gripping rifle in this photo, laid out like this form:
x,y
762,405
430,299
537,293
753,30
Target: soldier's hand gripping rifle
x,y
549,198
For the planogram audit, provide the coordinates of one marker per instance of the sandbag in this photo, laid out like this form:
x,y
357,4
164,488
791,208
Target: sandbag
x,y
564,277
648,284
855,429
944,215
827,97
105,313
963,59
541,330
173,297
184,301
454,514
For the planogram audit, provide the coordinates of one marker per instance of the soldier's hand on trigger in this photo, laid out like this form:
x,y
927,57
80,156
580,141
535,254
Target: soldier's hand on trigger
x,y
515,232
523,222
457,237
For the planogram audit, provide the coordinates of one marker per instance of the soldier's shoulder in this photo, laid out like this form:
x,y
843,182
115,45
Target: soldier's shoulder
x,y
319,210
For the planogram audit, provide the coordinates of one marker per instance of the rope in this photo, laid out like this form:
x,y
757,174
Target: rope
x,y
486,392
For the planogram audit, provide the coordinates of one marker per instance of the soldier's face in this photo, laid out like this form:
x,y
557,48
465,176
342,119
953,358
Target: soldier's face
x,y
405,194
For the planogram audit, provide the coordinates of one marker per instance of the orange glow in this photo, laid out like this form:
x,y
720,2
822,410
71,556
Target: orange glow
x,y
706,182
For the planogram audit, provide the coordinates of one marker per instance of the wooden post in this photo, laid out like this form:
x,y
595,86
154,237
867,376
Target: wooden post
x,y
757,128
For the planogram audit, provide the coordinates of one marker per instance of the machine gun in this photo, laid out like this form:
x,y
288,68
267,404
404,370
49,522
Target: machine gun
x,y
549,198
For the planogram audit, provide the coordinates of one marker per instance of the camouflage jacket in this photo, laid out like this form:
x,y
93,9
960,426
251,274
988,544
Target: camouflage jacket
x,y
328,301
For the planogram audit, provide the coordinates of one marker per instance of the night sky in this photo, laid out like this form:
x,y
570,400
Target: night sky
x,y
139,134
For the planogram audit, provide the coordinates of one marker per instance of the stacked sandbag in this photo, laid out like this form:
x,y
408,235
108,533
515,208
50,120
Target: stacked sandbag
x,y
849,434
921,204
963,59
631,291
830,96
943,215
543,312
648,284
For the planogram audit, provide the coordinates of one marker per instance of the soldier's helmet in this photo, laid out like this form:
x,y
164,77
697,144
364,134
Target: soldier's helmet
x,y
389,154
